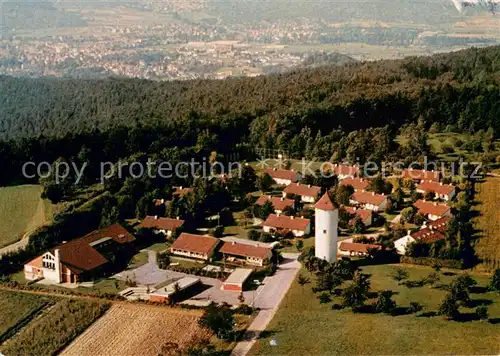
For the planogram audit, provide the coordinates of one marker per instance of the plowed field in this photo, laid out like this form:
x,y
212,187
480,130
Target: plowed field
x,y
139,330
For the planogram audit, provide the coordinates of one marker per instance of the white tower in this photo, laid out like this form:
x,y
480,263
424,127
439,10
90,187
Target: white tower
x,y
326,225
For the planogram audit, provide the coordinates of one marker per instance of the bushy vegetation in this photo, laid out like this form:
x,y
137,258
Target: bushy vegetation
x,y
50,333
16,309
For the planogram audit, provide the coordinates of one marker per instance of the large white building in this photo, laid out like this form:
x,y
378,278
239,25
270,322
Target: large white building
x,y
327,221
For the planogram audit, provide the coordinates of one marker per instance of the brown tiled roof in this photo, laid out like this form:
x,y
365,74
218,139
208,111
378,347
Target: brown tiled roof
x,y
278,203
440,225
325,203
421,174
364,214
286,222
80,256
195,243
357,247
233,248
369,198
281,173
431,208
356,183
303,190
345,170
151,222
435,187
37,262
427,235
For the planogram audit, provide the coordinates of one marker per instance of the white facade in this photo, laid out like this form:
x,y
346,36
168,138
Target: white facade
x,y
402,244
296,233
52,267
326,224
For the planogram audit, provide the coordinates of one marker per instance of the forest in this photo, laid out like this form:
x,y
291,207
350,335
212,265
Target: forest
x,y
309,112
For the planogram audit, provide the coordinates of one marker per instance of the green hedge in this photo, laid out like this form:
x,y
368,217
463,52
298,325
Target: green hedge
x,y
429,261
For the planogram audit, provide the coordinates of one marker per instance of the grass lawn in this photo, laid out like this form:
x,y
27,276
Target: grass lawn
x,y
17,308
488,245
140,259
158,247
304,326
22,210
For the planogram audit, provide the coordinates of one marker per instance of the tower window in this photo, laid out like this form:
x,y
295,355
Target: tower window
x,y
324,231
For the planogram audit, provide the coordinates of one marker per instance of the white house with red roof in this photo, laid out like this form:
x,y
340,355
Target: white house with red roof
x,y
165,226
369,200
419,175
442,191
281,223
432,210
353,249
359,184
77,260
283,176
364,214
307,193
279,204
428,233
250,254
343,171
194,246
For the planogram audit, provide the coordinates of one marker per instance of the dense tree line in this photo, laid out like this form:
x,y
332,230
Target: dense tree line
x,y
350,111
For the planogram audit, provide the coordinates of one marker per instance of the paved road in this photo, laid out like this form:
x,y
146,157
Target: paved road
x,y
17,245
269,299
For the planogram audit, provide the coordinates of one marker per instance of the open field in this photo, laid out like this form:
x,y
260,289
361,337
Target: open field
x,y
304,326
16,309
488,245
55,329
21,210
139,329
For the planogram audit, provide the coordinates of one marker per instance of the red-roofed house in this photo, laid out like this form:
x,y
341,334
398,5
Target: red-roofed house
x,y
165,226
344,171
82,258
253,255
356,249
445,192
432,210
370,200
429,233
418,175
364,214
359,184
282,223
282,176
307,193
279,204
182,191
194,246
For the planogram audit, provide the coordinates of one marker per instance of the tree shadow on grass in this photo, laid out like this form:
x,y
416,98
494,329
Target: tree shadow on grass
x,y
429,314
477,302
267,333
478,290
466,317
494,321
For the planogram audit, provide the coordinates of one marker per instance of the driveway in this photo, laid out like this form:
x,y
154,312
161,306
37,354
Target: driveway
x,y
149,274
268,299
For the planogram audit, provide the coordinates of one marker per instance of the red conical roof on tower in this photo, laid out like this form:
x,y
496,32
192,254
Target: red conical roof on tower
x,y
325,203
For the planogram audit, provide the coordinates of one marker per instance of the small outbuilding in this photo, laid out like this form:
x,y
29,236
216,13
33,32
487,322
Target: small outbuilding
x,y
236,280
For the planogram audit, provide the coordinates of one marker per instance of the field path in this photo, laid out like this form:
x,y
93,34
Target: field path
x,y
19,244
269,300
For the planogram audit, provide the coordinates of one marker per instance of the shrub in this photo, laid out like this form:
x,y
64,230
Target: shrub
x,y
384,302
163,260
324,298
495,281
415,307
482,312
